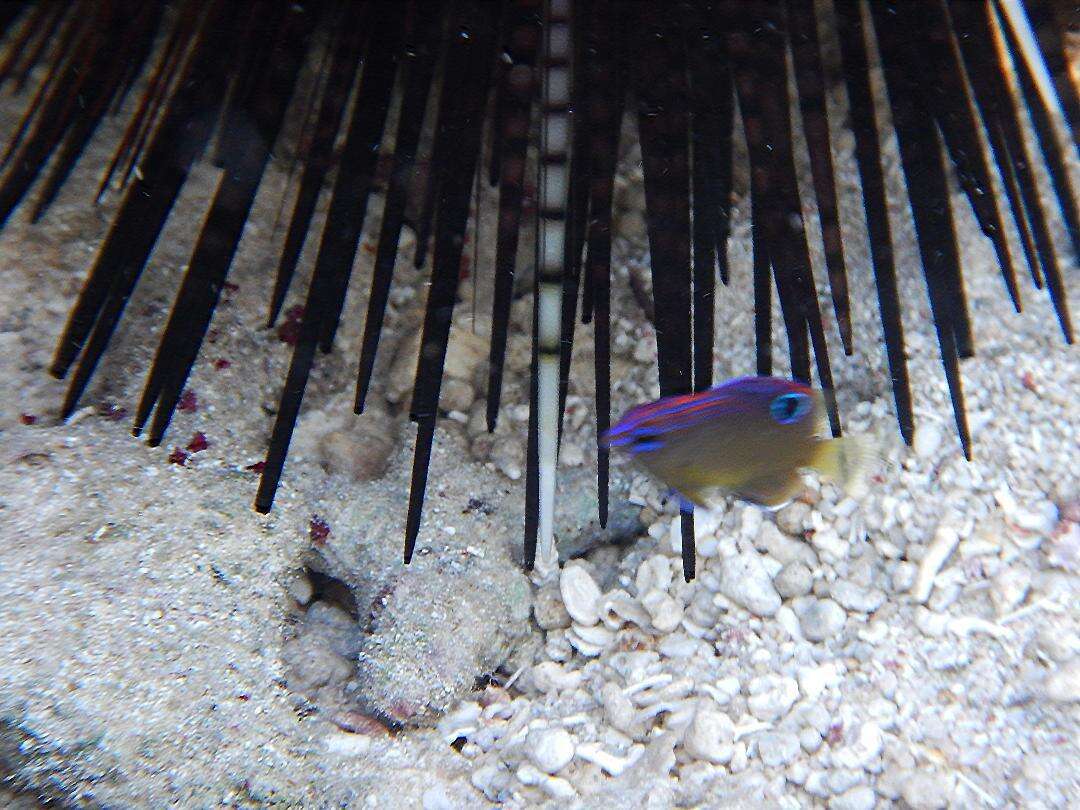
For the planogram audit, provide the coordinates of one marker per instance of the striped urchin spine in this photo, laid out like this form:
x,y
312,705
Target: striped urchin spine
x,y
552,190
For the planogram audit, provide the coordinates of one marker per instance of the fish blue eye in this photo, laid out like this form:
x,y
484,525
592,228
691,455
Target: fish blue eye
x,y
788,408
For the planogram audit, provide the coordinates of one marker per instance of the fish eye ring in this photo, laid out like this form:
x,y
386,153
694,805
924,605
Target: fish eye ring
x,y
789,408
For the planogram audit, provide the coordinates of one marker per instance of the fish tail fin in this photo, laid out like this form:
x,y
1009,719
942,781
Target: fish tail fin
x,y
848,461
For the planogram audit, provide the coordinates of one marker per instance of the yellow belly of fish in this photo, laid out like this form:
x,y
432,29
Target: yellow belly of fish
x,y
763,480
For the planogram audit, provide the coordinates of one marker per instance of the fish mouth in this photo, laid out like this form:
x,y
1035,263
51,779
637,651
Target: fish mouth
x,y
606,441
619,439
630,439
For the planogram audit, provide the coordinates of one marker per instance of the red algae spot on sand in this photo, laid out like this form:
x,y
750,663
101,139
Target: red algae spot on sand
x,y
198,442
189,402
289,331
318,530
835,734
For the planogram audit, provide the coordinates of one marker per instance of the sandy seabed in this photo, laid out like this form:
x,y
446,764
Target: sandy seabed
x,y
161,643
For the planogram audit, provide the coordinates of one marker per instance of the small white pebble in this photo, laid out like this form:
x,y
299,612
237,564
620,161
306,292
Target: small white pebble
x,y
580,594
350,745
927,439
1063,686
550,749
771,696
664,611
710,735
820,619
609,763
865,749
745,581
861,797
945,540
777,749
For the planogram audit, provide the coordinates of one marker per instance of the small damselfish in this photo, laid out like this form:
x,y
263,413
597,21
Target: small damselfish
x,y
749,437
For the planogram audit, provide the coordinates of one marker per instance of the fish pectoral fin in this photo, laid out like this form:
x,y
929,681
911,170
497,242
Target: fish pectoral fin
x,y
690,498
771,490
713,497
848,461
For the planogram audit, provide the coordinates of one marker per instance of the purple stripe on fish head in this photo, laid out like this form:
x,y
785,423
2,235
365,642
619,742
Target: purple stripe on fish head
x,y
641,427
762,386
640,420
